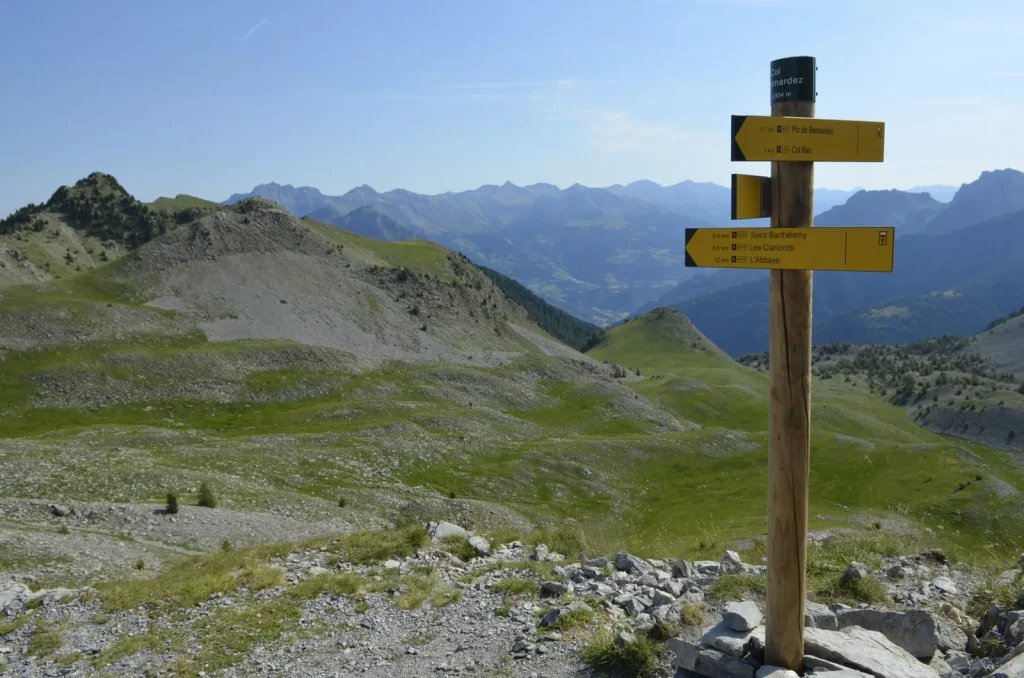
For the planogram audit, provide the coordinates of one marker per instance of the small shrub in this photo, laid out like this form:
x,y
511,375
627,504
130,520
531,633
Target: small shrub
x,y
64,529
451,494
516,587
638,658
459,547
284,301
503,611
140,564
361,607
342,502
362,548
445,596
737,586
574,619
662,631
226,546
415,310
206,497
172,503
691,615
345,584
44,641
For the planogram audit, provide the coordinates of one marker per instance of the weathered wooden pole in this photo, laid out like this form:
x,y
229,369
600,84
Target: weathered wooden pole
x,y
789,452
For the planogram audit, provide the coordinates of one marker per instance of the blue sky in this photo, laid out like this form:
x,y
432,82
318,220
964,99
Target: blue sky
x,y
213,98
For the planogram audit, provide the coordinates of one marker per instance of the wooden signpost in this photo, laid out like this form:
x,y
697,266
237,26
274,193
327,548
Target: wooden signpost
x,y
792,139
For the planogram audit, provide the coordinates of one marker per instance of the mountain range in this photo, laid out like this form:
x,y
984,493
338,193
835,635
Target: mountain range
x,y
599,253
945,279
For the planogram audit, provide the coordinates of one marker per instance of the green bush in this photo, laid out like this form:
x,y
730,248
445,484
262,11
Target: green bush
x,y
206,496
342,502
172,503
459,547
636,659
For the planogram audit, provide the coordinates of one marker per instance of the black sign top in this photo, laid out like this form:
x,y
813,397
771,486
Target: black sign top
x,y
793,79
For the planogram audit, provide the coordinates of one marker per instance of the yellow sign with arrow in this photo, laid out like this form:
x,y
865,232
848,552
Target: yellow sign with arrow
x,y
820,249
756,137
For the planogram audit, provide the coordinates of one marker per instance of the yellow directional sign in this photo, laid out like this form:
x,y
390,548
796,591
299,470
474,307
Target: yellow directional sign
x,y
751,197
816,249
757,137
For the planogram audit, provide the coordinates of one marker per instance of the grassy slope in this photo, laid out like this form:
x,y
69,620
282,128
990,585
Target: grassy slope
x,y
56,252
867,456
523,436
181,202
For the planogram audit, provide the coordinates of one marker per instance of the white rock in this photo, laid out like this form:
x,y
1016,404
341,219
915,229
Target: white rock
x,y
867,651
775,672
742,616
480,545
944,584
725,639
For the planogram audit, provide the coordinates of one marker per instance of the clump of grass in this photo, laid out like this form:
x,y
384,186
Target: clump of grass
x,y
420,639
565,540
459,547
574,619
516,587
225,637
507,535
140,564
418,589
172,503
637,658
361,607
342,502
370,547
64,529
736,586
662,631
541,568
259,577
13,625
503,611
692,615
205,496
99,618
1004,595
226,545
445,596
191,581
66,660
44,641
834,590
344,584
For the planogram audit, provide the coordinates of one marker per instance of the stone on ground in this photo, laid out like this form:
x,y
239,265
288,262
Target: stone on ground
x,y
775,672
480,545
725,639
915,631
742,616
855,571
440,530
818,616
731,562
867,651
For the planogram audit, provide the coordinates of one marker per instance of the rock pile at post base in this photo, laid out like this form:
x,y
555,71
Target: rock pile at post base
x,y
485,630
861,642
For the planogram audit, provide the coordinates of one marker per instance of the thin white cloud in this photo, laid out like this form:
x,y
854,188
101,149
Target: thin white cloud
x,y
1011,74
253,30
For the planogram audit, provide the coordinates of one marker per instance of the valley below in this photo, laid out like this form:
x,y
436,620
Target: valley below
x,y
305,393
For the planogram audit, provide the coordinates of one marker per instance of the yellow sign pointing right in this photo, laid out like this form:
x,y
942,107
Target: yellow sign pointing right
x,y
815,249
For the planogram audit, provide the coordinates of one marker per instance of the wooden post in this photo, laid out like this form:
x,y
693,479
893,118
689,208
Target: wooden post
x,y
790,392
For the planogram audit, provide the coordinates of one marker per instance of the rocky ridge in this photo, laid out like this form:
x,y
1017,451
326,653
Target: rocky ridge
x,y
460,606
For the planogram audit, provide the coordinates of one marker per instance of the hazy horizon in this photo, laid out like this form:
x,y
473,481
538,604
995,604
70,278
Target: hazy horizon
x,y
213,100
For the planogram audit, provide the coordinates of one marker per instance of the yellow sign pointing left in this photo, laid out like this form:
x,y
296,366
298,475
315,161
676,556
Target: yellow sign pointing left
x,y
815,249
